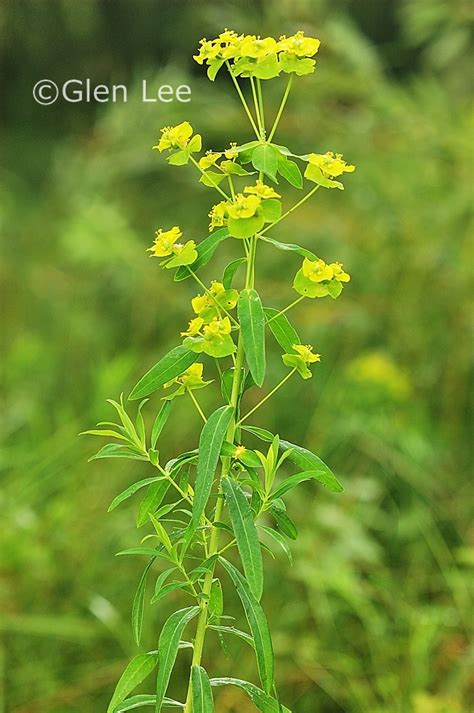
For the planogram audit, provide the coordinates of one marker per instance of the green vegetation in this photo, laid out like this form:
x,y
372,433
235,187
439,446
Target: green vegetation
x,y
373,615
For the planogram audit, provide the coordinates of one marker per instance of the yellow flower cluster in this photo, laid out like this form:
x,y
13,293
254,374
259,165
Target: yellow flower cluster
x,y
319,271
318,279
262,57
330,164
174,137
247,205
165,246
299,361
210,331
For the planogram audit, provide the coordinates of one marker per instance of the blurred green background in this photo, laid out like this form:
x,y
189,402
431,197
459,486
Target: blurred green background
x,y
373,617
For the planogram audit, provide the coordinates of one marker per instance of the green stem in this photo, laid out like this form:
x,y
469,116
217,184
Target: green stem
x,y
242,99
196,403
286,309
262,110
282,106
292,209
257,109
214,185
268,396
214,540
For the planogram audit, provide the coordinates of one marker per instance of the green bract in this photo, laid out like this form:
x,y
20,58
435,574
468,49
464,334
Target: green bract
x,y
223,493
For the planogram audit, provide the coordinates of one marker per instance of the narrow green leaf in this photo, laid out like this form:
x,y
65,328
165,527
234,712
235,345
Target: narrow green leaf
x,y
114,450
291,247
281,328
159,423
258,626
235,632
139,604
216,601
280,539
145,700
166,589
292,481
252,322
210,444
170,366
139,551
131,491
152,501
230,271
284,521
104,432
168,649
205,250
246,535
137,670
304,459
203,701
263,701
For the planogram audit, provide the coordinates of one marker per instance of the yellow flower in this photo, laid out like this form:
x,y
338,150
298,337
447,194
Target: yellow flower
x,y
299,45
216,287
338,273
243,206
193,375
261,190
164,242
306,353
330,164
240,451
175,136
199,303
207,51
317,270
194,327
217,328
209,159
230,153
256,47
218,215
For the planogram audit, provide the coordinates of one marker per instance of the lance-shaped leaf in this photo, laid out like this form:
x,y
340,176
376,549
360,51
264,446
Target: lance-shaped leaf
x,y
304,459
246,535
160,422
152,501
203,701
125,494
210,444
281,328
205,250
263,701
168,368
139,604
252,323
230,271
144,700
258,626
291,247
168,649
137,670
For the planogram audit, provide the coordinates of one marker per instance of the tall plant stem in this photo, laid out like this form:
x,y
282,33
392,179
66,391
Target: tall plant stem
x,y
214,539
242,99
280,110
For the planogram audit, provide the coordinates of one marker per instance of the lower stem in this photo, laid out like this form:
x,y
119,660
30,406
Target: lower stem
x,y
214,540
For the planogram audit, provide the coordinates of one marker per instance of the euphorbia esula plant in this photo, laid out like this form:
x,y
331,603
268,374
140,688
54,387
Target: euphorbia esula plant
x,y
212,509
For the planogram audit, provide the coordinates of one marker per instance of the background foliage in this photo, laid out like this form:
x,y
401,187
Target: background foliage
x,y
373,616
